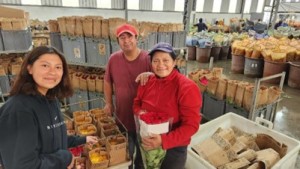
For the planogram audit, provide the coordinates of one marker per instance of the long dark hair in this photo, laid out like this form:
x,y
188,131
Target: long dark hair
x,y
25,84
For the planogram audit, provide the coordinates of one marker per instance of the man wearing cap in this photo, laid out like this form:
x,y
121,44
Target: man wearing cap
x,y
176,96
123,68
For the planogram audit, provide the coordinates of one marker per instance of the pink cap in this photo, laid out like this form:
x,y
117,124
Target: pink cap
x,y
126,28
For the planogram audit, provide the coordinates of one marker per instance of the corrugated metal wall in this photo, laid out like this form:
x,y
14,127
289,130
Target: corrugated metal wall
x,y
254,4
145,5
10,1
169,5
225,6
52,2
88,3
208,5
117,4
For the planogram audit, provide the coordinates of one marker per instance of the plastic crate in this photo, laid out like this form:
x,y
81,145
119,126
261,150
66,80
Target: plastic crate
x,y
212,108
266,111
114,46
55,41
97,51
179,39
4,84
165,37
230,119
152,39
16,40
95,100
78,101
74,49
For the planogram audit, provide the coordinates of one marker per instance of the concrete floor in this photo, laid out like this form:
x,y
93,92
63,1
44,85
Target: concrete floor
x,y
287,115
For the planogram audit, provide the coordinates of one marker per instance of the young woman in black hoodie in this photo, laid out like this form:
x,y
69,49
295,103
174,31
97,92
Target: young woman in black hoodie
x,y
32,129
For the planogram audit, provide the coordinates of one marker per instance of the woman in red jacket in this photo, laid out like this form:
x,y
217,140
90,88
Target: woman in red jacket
x,y
172,93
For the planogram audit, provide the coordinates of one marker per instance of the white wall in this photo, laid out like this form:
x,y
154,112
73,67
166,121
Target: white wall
x,y
46,13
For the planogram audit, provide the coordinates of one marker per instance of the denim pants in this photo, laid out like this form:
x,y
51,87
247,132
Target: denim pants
x,y
175,158
134,151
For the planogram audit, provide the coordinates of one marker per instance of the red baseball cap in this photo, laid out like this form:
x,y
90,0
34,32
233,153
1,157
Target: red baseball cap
x,y
126,28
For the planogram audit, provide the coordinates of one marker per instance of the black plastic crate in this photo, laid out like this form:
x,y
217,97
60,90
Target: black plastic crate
x,y
114,46
178,39
212,107
97,51
74,49
96,100
165,37
152,39
55,41
16,39
265,111
79,101
4,84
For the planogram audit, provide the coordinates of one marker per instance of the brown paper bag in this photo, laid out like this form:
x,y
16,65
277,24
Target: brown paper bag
x,y
88,27
247,99
273,94
105,29
78,26
91,82
212,85
62,25
221,89
240,91
99,84
97,24
6,25
70,25
239,163
76,79
2,71
268,156
53,26
231,90
249,154
262,96
265,141
217,72
19,24
83,82
15,68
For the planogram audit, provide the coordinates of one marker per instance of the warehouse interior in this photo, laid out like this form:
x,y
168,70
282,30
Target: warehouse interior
x,y
185,13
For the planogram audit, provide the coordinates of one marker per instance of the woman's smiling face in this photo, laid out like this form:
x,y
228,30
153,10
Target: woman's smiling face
x,y
47,72
162,64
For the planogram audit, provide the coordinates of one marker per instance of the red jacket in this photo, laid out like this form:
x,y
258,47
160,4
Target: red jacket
x,y
177,96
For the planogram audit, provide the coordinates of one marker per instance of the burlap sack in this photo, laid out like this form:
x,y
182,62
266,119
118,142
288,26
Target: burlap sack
x,y
97,24
105,29
78,26
88,27
256,54
212,85
83,82
221,89
70,25
231,90
91,82
99,83
62,25
240,91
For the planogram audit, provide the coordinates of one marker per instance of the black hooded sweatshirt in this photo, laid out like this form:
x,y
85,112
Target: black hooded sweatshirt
x,y
33,134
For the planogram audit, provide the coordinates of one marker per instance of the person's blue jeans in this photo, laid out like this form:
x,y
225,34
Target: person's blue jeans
x,y
175,158
134,151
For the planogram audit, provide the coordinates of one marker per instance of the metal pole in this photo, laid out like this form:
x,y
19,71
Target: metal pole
x,y
274,11
126,10
188,4
242,9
